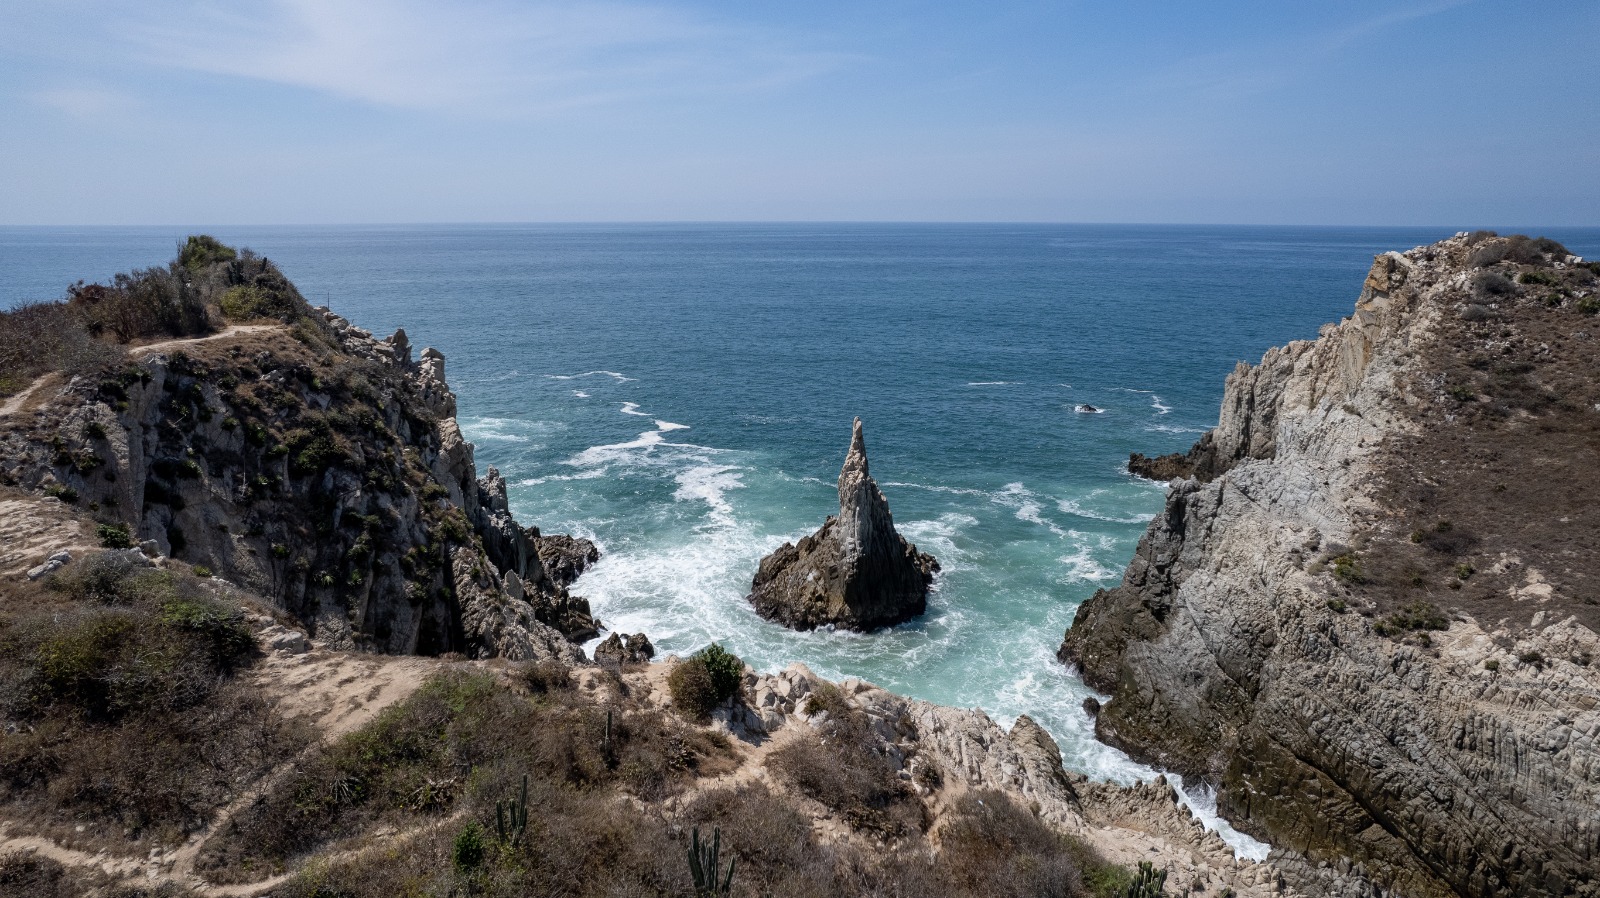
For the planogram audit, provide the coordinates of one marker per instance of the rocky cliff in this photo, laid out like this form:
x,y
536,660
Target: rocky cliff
x,y
315,466
1368,611
856,572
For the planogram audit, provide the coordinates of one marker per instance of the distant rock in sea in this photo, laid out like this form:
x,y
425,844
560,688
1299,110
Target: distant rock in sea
x,y
856,572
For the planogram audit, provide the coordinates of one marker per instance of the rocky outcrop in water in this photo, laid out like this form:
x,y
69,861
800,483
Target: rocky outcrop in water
x,y
856,572
564,557
1364,615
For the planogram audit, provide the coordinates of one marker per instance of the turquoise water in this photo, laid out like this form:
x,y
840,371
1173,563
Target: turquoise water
x,y
682,394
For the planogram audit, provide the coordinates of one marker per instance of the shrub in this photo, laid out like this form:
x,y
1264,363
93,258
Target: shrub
x,y
202,250
1417,616
1491,665
247,301
546,676
1588,305
60,491
114,536
1492,283
694,694
39,337
1533,657
467,851
726,669
841,767
1347,567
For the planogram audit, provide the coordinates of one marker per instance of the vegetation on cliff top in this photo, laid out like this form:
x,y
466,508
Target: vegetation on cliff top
x,y
207,284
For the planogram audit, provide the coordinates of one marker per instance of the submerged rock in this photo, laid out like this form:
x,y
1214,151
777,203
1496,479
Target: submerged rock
x,y
856,572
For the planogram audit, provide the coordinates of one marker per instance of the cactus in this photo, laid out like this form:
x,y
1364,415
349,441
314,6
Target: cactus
x,y
1147,882
703,866
511,817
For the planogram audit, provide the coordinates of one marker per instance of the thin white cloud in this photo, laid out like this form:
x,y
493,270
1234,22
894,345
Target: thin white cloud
x,y
1233,74
482,57
84,102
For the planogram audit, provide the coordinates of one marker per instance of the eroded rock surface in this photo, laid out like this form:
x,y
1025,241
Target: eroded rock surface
x,y
1277,631
856,572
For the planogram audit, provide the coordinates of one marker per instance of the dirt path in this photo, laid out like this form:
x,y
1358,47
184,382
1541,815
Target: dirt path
x,y
16,402
19,401
232,330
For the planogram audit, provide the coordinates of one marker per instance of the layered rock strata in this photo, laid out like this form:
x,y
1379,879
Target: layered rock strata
x,y
316,466
1358,615
856,572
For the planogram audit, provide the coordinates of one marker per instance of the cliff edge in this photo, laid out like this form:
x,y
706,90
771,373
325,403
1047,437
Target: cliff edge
x,y
1367,612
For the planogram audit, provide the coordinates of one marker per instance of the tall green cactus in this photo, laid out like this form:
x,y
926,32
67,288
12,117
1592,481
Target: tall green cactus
x,y
1147,882
703,866
511,817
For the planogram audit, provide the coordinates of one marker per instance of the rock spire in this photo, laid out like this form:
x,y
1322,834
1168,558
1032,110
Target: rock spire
x,y
856,572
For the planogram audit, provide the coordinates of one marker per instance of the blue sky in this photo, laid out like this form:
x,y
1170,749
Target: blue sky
x,y
330,111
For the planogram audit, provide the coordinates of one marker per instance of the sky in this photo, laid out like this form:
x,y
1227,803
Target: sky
x,y
1450,113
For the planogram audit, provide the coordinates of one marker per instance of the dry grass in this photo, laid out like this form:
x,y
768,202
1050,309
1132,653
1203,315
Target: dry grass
x,y
119,705
841,767
463,742
1504,462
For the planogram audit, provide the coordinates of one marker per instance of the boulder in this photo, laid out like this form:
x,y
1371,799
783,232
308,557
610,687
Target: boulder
x,y
857,572
624,648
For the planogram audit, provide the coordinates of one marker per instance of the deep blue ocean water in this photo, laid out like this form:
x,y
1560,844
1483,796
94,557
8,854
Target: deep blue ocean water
x,y
682,394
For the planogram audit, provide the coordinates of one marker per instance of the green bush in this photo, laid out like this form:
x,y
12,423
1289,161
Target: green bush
x,y
1417,616
60,491
114,536
202,250
467,851
248,301
725,668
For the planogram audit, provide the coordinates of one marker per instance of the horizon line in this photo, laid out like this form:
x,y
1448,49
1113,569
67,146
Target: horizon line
x,y
777,221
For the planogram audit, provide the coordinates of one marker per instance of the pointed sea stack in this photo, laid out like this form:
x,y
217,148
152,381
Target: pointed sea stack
x,y
856,572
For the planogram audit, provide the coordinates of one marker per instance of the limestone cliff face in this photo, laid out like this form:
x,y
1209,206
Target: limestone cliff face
x,y
856,572
1278,632
314,465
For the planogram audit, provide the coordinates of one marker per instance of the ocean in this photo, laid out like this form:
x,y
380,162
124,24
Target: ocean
x,y
682,394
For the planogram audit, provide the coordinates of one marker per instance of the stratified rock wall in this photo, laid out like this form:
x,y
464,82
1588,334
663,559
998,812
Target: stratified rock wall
x,y
1236,649
856,572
